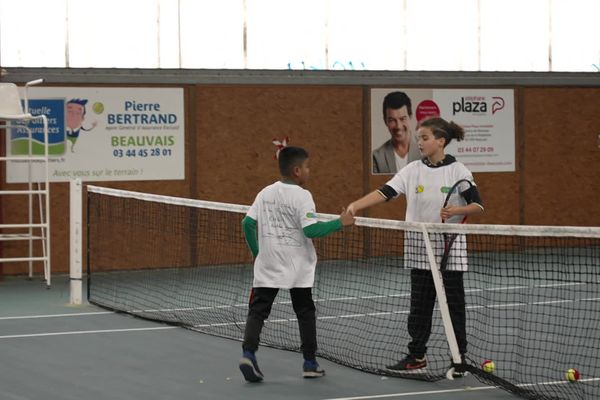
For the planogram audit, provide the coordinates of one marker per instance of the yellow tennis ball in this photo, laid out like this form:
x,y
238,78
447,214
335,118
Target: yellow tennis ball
x,y
488,366
98,107
572,375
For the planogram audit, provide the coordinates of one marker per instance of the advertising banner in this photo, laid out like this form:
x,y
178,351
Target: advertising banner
x,y
102,134
487,116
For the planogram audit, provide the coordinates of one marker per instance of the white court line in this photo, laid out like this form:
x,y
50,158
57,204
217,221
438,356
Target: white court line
x,y
504,288
29,335
56,315
506,305
159,310
561,284
383,313
319,300
557,382
324,317
408,394
443,391
552,302
341,298
349,298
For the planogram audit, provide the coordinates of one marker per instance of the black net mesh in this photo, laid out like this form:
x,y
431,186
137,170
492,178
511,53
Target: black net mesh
x,y
531,299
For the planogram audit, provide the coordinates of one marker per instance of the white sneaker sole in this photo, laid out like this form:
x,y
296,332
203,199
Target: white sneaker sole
x,y
313,374
406,371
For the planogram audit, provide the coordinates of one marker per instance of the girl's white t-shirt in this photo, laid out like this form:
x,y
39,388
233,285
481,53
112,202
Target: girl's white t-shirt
x,y
425,189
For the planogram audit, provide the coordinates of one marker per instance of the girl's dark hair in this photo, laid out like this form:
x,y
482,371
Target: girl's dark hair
x,y
290,157
444,129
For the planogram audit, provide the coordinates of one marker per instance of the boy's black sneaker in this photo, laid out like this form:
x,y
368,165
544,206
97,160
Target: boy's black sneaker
x,y
409,363
249,367
311,369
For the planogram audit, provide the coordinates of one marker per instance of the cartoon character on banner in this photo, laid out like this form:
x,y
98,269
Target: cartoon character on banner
x,y
75,109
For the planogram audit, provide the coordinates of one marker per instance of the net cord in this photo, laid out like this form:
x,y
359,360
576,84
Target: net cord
x,y
481,229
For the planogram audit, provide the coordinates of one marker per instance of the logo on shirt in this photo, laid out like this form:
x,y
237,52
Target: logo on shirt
x,y
420,189
447,189
311,215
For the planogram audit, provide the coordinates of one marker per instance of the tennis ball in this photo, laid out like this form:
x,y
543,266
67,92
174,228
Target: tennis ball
x,y
572,375
98,107
488,366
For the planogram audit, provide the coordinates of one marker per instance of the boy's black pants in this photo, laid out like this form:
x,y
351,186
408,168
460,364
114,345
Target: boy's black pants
x,y
261,301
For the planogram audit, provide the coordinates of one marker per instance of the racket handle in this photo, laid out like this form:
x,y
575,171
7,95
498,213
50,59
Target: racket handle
x,y
444,261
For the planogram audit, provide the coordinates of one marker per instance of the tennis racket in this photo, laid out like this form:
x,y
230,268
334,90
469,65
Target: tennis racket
x,y
454,198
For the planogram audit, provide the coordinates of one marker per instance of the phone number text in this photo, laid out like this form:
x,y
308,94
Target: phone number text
x,y
156,152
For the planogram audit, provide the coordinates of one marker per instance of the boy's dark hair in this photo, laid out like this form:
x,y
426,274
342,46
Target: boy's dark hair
x,y
396,100
290,157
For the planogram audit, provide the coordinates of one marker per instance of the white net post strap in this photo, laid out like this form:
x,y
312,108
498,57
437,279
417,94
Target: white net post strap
x,y
76,234
443,302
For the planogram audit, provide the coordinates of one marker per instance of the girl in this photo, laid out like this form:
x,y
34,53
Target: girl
x,y
424,183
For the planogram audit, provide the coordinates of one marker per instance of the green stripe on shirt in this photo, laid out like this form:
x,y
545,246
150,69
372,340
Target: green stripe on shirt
x,y
249,228
321,229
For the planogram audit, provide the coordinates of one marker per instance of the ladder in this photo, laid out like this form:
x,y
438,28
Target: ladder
x,y
16,117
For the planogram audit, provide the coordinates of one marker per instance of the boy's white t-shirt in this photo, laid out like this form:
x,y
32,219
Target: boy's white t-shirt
x,y
286,257
425,189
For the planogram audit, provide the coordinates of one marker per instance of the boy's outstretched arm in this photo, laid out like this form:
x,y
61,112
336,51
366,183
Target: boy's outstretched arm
x,y
249,228
321,229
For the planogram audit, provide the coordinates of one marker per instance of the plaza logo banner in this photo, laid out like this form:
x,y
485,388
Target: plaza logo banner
x,y
487,116
102,134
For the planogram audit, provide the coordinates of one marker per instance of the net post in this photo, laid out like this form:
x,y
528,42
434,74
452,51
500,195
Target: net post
x,y
443,303
75,241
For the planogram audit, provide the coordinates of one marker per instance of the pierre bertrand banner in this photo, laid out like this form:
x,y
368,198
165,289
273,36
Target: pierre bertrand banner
x,y
102,134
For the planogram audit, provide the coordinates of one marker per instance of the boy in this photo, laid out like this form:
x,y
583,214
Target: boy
x,y
285,257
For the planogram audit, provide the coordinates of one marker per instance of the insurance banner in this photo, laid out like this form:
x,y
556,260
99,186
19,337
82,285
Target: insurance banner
x,y
101,134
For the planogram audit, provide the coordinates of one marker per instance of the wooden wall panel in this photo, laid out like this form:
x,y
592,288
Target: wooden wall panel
x,y
562,156
230,156
236,126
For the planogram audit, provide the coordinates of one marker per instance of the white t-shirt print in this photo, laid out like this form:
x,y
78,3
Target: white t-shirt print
x,y
286,257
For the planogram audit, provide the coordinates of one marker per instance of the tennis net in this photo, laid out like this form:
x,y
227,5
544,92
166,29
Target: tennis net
x,y
532,294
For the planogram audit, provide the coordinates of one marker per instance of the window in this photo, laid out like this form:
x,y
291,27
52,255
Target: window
x,y
458,35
